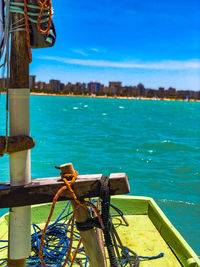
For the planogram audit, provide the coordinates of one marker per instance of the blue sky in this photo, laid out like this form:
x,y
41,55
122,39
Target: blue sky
x,y
154,42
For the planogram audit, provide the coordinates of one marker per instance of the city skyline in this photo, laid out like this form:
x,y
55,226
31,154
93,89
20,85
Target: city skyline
x,y
153,43
114,88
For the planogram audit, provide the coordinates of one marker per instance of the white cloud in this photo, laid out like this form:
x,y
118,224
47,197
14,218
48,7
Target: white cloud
x,y
159,65
94,49
80,52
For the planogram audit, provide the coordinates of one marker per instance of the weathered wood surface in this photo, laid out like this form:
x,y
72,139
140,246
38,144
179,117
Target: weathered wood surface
x,y
19,63
16,263
42,190
16,143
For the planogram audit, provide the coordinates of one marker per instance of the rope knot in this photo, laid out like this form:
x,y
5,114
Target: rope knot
x,y
69,177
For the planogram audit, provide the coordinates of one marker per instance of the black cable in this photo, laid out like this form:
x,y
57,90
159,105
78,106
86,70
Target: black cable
x,y
106,218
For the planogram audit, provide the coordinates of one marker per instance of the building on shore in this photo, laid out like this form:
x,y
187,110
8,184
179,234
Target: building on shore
x,y
161,92
62,86
170,92
77,88
184,94
94,87
32,81
115,87
141,89
130,91
41,85
194,94
54,85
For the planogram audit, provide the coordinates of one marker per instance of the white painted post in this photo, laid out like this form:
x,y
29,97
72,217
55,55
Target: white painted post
x,y
19,243
19,125
20,218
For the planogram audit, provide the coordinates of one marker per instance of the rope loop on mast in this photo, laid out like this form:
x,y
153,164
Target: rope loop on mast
x,y
37,17
43,5
27,31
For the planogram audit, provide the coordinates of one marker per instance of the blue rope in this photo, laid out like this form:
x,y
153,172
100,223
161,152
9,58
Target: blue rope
x,y
130,254
56,242
3,261
151,258
3,241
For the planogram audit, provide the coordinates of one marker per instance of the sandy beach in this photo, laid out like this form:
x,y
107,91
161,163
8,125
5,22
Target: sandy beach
x,y
118,97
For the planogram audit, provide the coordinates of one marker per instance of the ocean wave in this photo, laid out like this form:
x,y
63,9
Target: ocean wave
x,y
166,145
177,202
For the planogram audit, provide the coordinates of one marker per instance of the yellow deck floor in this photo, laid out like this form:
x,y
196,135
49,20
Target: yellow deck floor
x,y
141,236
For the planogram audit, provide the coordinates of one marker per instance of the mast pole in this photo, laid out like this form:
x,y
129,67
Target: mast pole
x,y
19,243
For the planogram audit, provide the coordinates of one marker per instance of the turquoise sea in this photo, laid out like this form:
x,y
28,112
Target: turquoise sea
x,y
157,143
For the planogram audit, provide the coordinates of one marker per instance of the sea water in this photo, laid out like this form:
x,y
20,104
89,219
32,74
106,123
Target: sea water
x,y
157,144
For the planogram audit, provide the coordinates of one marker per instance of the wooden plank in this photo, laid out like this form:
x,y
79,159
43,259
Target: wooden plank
x,y
42,190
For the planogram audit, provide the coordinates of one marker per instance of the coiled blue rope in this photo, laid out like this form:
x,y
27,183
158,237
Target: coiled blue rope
x,y
56,242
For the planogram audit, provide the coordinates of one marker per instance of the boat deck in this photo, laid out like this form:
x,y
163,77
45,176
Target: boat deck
x,y
145,240
149,232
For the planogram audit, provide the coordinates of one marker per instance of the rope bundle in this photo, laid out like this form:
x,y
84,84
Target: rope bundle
x,y
43,7
69,180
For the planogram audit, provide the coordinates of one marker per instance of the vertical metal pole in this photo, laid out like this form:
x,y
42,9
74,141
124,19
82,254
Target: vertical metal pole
x,y
19,244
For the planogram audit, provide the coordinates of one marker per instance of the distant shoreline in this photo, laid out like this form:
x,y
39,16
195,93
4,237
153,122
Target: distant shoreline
x,y
118,97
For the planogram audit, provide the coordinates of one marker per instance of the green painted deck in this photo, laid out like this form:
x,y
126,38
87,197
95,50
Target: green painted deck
x,y
149,232
143,238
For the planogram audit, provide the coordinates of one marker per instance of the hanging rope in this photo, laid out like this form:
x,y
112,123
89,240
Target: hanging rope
x,y
27,31
44,14
43,5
